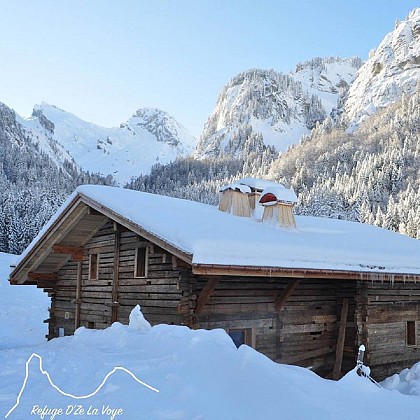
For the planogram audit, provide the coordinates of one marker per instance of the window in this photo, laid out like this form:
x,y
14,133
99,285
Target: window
x,y
411,333
93,266
242,336
140,266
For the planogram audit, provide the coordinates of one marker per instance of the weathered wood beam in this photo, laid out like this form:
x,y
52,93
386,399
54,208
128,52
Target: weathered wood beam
x,y
78,300
302,273
32,275
94,212
115,283
207,291
178,263
282,298
340,341
76,252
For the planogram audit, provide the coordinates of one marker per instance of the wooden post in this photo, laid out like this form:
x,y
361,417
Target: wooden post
x,y
115,304
78,295
340,341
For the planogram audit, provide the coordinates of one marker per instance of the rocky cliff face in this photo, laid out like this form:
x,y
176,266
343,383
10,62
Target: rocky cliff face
x,y
392,70
277,107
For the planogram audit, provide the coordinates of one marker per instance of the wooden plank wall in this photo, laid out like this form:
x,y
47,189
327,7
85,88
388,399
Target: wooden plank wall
x,y
304,332
383,312
62,310
163,295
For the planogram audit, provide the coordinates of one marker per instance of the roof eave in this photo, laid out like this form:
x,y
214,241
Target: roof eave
x,y
14,277
302,273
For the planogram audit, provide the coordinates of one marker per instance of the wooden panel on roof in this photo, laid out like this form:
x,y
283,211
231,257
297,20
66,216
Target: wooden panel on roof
x,y
76,252
42,276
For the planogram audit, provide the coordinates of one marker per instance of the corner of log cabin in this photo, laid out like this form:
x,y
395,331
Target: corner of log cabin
x,y
163,294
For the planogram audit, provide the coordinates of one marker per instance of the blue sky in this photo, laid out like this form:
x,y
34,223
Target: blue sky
x,y
103,59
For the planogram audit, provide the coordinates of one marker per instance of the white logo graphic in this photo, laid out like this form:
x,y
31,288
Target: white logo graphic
x,y
80,397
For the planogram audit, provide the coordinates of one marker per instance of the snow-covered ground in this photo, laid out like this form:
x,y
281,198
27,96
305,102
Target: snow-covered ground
x,y
22,310
199,374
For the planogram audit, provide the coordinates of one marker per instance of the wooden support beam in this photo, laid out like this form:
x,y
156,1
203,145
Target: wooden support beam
x,y
179,264
75,251
114,313
207,291
340,341
32,275
78,300
282,298
94,212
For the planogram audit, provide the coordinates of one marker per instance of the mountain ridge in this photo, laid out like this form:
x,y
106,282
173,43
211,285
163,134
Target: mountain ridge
x,y
149,136
280,107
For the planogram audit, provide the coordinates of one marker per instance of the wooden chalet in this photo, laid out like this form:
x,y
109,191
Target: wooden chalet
x,y
307,296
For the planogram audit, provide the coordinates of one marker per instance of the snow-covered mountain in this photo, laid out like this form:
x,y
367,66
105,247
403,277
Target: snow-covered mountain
x,y
148,137
328,78
392,69
279,107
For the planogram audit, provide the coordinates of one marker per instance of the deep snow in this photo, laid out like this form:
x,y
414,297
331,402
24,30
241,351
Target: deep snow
x,y
22,310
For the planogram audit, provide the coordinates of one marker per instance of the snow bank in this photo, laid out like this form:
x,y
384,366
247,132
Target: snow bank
x,y
22,310
198,373
406,382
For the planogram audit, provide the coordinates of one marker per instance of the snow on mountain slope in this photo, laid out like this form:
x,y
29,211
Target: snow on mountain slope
x,y
392,69
329,78
279,107
148,137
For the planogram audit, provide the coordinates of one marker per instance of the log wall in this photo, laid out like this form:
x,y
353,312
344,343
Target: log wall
x,y
383,310
304,332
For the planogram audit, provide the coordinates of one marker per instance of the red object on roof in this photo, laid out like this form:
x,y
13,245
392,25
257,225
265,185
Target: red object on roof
x,y
268,198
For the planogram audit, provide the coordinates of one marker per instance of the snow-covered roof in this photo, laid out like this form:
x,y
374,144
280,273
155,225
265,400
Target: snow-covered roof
x,y
215,238
258,184
281,193
237,187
